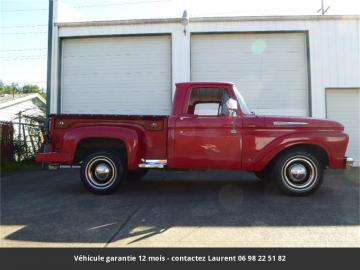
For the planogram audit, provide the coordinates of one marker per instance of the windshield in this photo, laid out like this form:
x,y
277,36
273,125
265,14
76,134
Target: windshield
x,y
245,109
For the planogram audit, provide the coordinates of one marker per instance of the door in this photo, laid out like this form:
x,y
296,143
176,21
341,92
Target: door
x,y
116,75
269,69
343,105
206,136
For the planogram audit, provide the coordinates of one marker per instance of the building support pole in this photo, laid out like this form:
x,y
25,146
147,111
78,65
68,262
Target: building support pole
x,y
49,60
48,72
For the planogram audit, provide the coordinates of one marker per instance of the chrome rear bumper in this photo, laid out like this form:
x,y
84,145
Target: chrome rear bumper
x,y
349,162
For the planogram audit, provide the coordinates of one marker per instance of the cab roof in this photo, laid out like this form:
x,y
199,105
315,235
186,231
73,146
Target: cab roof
x,y
186,84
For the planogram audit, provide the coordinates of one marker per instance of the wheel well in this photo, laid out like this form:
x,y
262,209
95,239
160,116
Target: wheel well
x,y
316,150
90,145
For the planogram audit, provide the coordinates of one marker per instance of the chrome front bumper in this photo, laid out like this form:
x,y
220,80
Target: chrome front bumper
x,y
349,162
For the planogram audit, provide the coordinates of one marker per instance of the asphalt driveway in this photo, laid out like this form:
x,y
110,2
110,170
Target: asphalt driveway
x,y
177,209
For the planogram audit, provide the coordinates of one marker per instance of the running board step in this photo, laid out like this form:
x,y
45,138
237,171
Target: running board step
x,y
153,163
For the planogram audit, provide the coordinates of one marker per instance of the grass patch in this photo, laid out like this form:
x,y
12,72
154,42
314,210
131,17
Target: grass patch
x,y
21,166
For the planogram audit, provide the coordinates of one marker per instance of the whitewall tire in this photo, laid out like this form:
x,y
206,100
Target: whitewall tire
x,y
298,173
102,172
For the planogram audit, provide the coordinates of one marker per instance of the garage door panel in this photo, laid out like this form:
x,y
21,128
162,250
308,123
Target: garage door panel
x,y
269,69
117,75
343,105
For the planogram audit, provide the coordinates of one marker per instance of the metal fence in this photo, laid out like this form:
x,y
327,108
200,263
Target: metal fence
x,y
21,140
7,141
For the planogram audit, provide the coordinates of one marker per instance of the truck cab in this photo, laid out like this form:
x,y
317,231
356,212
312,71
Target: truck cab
x,y
205,131
210,128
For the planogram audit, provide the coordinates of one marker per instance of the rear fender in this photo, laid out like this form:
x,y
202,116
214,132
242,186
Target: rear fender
x,y
132,138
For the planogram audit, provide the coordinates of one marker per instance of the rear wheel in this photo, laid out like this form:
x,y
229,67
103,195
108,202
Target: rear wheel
x,y
136,175
298,173
102,172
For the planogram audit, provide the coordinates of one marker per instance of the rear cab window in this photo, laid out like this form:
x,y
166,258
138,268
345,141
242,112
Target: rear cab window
x,y
206,101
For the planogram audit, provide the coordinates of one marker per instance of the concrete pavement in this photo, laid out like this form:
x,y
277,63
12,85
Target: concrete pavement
x,y
177,209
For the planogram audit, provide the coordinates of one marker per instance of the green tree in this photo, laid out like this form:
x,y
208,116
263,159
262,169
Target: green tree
x,y
9,89
31,88
14,88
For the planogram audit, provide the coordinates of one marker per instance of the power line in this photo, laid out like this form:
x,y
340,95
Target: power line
x,y
20,56
22,83
24,56
34,81
25,10
23,33
89,6
23,59
14,58
23,50
120,4
28,82
24,26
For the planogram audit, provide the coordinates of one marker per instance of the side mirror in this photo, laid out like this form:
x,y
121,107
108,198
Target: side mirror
x,y
232,106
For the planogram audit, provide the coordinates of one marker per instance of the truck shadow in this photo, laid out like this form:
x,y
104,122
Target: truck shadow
x,y
53,207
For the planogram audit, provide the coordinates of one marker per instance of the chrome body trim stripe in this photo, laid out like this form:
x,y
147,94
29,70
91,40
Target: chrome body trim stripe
x,y
283,123
151,166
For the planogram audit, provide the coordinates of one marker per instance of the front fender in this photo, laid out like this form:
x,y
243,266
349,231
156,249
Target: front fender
x,y
132,138
333,143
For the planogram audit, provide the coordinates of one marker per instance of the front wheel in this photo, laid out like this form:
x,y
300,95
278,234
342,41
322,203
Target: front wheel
x,y
298,173
102,172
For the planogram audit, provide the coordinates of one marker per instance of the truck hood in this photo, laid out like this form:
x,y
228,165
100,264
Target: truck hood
x,y
305,122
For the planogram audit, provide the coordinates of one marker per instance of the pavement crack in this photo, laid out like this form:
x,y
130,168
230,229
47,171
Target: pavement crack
x,y
122,226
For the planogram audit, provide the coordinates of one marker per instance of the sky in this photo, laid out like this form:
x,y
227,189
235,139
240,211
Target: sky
x,y
23,23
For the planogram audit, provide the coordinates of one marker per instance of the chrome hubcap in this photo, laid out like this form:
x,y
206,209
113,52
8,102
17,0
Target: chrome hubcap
x,y
297,172
102,171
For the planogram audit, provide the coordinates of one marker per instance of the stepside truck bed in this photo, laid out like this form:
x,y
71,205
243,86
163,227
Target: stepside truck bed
x,y
64,126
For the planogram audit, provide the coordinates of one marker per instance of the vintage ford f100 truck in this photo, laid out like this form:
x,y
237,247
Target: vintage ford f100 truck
x,y
210,127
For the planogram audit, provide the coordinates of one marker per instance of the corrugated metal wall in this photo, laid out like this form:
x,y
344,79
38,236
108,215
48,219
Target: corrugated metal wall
x,y
334,46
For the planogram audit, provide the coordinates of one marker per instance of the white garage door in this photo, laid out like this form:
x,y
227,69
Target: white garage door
x,y
270,70
343,105
116,75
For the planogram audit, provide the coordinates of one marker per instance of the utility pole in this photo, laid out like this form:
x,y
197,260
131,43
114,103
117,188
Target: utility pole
x,y
322,9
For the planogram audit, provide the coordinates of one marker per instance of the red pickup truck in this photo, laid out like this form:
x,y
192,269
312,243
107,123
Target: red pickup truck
x,y
210,127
